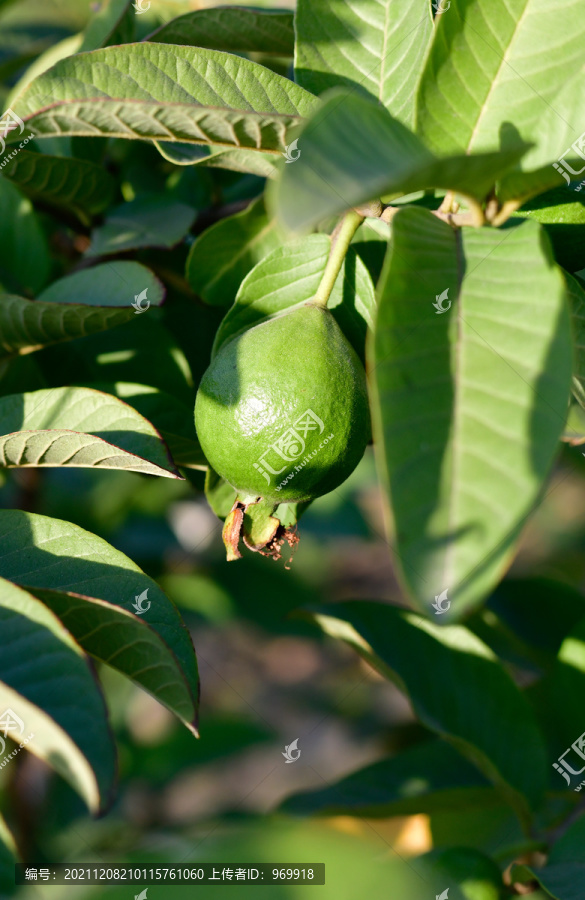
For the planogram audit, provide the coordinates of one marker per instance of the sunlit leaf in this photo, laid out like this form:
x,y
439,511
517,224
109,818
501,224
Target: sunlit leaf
x,y
40,552
372,46
79,427
165,92
290,276
471,366
224,254
88,301
47,683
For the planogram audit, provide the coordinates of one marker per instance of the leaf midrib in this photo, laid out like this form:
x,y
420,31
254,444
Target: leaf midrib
x,y
457,449
495,81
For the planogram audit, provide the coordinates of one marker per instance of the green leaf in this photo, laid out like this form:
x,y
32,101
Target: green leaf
x,y
224,254
24,253
74,426
172,419
376,47
485,71
187,154
564,874
248,161
110,284
107,25
470,404
371,243
482,713
563,881
39,552
46,681
232,28
571,846
88,301
562,214
555,145
165,92
290,276
128,644
75,183
352,151
425,778
152,220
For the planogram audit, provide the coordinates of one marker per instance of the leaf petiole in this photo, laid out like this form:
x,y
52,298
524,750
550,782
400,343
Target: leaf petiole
x,y
340,241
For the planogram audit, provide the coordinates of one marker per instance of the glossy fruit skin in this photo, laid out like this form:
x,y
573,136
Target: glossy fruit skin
x,y
282,411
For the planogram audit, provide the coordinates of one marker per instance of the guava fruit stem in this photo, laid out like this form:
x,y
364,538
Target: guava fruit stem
x,y
340,241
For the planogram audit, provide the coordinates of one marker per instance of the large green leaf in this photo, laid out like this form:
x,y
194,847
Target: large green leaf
x,y
485,84
468,698
128,644
88,301
74,426
39,552
232,28
557,157
165,92
172,418
428,777
290,276
352,150
151,220
24,252
224,254
470,404
377,47
46,681
61,180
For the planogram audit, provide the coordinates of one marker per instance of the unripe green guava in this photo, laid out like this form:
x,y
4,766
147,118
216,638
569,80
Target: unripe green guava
x,y
282,411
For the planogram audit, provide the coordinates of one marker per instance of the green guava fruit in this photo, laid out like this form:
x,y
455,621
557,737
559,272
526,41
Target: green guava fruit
x,y
282,411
